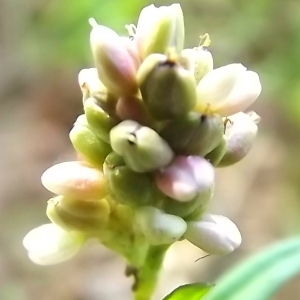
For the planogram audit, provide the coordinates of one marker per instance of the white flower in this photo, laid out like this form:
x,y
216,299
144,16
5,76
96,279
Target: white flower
x,y
214,234
49,244
228,90
159,28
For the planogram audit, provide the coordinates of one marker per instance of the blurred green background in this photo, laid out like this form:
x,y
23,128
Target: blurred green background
x,y
44,43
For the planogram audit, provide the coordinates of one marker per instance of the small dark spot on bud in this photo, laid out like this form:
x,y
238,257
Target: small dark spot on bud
x,y
132,139
203,118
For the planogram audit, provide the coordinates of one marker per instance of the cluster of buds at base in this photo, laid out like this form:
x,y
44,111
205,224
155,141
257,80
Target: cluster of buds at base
x,y
158,119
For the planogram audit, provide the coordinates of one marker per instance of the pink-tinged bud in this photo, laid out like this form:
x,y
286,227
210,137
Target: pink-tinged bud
x,y
214,234
227,90
116,68
133,108
132,50
159,29
186,178
76,180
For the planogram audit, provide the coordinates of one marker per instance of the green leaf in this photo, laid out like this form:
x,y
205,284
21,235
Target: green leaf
x,y
193,291
260,276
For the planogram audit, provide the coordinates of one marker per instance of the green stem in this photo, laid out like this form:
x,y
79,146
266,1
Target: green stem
x,y
147,274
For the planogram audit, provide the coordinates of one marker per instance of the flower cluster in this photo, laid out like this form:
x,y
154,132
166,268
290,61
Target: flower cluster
x,y
157,120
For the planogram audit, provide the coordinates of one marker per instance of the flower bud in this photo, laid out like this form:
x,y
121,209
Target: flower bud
x,y
130,46
75,179
240,134
160,29
198,60
88,144
99,121
78,207
169,91
90,84
142,148
186,178
133,108
214,234
49,244
194,134
158,227
128,187
215,156
227,90
70,222
116,69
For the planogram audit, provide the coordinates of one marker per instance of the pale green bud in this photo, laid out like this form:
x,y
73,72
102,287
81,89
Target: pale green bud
x,y
240,134
75,179
88,144
70,222
49,244
116,68
100,122
141,147
169,91
214,234
160,29
194,134
159,227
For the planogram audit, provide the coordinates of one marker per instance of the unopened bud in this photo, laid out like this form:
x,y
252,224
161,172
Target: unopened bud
x,y
194,134
89,145
128,187
215,156
70,222
116,69
198,60
160,29
159,227
49,244
90,84
169,91
240,134
75,179
100,122
142,148
214,234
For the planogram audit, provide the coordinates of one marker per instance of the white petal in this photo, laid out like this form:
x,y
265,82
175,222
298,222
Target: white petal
x,y
217,85
244,93
49,244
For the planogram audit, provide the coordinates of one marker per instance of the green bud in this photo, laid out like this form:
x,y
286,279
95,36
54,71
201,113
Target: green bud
x,y
87,143
159,227
100,122
185,209
215,156
70,222
169,91
128,187
194,134
142,148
